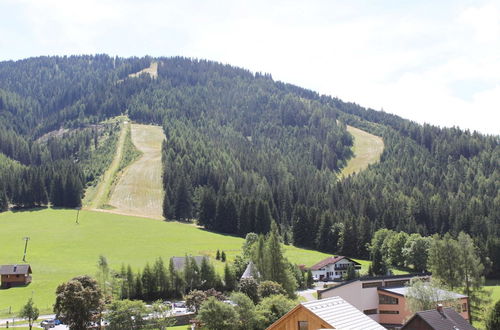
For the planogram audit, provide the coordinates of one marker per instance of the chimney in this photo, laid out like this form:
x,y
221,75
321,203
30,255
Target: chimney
x,y
440,308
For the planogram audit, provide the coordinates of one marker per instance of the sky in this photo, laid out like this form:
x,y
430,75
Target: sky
x,y
429,61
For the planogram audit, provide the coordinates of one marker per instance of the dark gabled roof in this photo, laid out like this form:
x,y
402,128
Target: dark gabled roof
x,y
331,260
180,262
378,278
448,319
15,269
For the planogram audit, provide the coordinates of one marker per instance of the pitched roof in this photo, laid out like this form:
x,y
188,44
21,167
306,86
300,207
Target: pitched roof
x,y
341,315
180,262
331,260
251,271
15,269
402,291
448,319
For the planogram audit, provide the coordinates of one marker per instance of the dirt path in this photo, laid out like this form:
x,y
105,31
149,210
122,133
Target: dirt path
x,y
102,190
139,191
367,150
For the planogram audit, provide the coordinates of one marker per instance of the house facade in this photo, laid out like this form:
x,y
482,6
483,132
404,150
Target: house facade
x,y
333,268
14,275
331,313
383,298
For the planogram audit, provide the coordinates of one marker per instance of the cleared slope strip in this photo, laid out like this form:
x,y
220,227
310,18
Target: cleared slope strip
x,y
139,190
102,190
367,150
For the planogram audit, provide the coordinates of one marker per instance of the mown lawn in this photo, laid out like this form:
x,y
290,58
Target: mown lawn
x,y
60,249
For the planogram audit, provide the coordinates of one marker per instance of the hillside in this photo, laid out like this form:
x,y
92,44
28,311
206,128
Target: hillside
x,y
243,149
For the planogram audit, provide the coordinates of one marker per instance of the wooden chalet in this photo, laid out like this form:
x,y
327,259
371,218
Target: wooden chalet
x,y
15,275
331,313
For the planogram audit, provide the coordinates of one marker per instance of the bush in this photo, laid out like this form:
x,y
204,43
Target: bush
x,y
272,308
216,315
269,288
249,286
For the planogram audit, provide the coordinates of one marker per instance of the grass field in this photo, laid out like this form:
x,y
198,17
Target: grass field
x,y
101,192
367,150
59,249
139,190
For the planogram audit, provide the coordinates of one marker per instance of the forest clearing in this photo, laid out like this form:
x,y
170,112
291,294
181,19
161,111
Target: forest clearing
x,y
101,193
139,190
367,150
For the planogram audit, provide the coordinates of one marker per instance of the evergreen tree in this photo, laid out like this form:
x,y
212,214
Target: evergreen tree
x,y
208,208
184,203
493,318
207,275
230,280
162,279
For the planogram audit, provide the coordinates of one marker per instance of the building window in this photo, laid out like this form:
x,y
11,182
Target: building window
x,y
389,312
370,311
392,284
464,307
372,285
303,325
387,300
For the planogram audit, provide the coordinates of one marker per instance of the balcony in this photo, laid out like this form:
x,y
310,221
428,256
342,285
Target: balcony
x,y
345,266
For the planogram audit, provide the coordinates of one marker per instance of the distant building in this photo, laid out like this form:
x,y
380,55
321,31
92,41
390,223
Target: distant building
x,y
331,313
383,298
437,319
333,268
15,275
180,262
251,272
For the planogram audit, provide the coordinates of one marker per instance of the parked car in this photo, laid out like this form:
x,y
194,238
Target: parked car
x,y
50,323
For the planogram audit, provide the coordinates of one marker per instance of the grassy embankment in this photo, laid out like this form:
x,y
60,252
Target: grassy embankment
x,y
367,149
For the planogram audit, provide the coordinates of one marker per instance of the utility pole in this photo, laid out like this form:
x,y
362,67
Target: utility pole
x,y
25,247
77,214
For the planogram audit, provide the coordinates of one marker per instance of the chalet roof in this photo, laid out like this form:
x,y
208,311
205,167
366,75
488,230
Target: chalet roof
x,y
180,262
447,319
402,291
251,271
15,269
331,260
341,315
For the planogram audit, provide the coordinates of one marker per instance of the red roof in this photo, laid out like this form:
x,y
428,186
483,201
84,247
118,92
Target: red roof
x,y
331,260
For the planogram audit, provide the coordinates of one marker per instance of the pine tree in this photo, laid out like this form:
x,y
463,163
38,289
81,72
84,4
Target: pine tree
x,y
184,203
230,280
208,208
162,279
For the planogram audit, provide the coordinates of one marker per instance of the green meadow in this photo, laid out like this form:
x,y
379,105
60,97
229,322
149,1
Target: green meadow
x,y
60,249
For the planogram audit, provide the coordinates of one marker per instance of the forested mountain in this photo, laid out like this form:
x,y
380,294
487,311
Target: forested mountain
x,y
243,150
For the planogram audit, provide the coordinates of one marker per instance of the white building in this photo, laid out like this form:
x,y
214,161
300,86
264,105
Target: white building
x,y
332,268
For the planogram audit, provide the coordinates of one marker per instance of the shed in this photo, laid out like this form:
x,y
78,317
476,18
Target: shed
x,y
15,275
